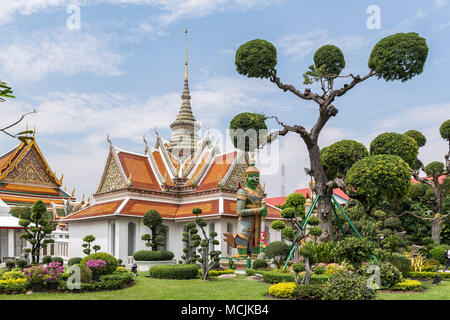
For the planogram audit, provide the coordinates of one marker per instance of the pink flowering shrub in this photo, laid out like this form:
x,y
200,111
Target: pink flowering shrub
x,y
36,274
96,265
54,271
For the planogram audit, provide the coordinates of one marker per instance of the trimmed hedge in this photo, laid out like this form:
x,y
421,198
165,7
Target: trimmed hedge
x,y
147,255
277,277
179,272
408,285
107,282
428,275
215,273
12,285
309,292
282,289
111,262
73,261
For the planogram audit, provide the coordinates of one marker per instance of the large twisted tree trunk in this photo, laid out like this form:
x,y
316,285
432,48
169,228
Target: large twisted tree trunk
x,y
324,203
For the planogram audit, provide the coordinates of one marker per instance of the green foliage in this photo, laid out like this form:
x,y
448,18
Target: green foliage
x,y
353,251
392,243
10,264
39,224
248,131
256,59
324,252
319,270
434,169
408,285
196,211
21,212
345,285
389,275
339,157
332,58
21,263
277,249
313,221
438,253
417,136
379,178
393,223
399,57
153,220
417,191
276,277
444,130
288,213
315,231
46,259
428,275
401,262
180,271
396,144
288,233
309,292
278,225
73,261
215,273
58,259
111,262
298,267
146,255
13,285
282,290
259,264
296,201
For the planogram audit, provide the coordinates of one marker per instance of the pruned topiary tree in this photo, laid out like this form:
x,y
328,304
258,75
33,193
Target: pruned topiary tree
x,y
398,57
36,228
153,220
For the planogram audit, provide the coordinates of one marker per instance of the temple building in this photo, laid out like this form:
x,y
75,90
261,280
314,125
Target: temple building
x,y
26,177
173,178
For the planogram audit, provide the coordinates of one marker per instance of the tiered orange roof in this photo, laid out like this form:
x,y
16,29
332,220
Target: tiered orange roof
x,y
138,168
162,168
219,168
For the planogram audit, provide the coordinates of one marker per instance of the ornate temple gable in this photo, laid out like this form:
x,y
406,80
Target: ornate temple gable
x,y
170,162
192,163
30,167
218,169
235,174
112,178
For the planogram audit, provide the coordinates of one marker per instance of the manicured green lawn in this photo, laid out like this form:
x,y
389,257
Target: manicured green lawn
x,y
432,292
221,289
156,289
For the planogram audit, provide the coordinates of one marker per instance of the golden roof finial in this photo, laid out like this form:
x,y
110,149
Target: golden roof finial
x,y
34,129
186,63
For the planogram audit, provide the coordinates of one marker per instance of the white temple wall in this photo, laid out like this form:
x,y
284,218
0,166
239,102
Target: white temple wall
x,y
79,229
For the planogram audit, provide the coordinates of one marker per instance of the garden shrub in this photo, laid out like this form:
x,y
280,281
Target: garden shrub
x,y
122,270
390,275
354,251
438,253
180,271
58,259
12,275
73,261
282,290
277,250
46,259
333,268
10,265
309,292
111,262
324,252
408,285
250,272
11,285
319,270
215,273
345,285
147,255
259,264
401,262
108,282
276,277
21,263
428,275
298,267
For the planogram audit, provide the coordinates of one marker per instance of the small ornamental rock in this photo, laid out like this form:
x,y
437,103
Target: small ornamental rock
x,y
227,276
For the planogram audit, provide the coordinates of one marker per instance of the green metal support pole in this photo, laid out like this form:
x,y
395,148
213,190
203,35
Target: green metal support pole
x,y
337,218
292,248
351,224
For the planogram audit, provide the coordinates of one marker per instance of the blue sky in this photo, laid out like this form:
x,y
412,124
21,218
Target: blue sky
x,y
122,73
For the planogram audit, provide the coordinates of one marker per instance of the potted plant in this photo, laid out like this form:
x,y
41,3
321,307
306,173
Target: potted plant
x,y
36,276
54,271
97,267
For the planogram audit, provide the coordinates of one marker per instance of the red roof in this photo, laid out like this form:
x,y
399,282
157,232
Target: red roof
x,y
278,201
440,179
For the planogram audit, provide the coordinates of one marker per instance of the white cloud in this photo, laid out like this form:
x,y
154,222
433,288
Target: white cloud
x,y
299,45
63,52
440,3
